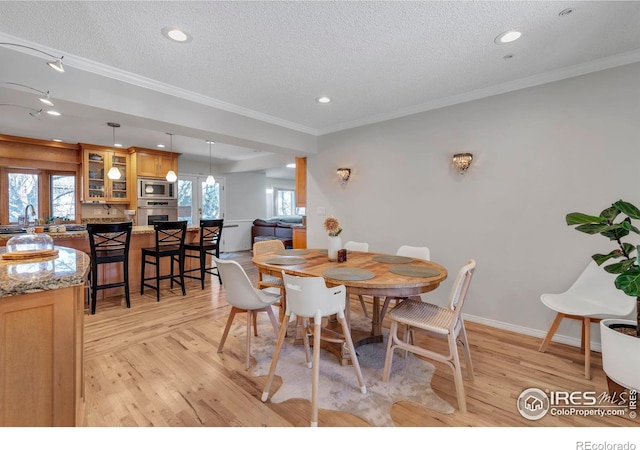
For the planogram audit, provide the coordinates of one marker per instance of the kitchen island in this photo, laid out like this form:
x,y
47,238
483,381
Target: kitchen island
x,y
42,311
141,237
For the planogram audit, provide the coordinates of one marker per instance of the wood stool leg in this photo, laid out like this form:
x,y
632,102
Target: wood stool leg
x,y
551,332
274,359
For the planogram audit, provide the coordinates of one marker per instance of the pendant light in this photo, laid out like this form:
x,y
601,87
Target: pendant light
x,y
210,180
114,173
171,175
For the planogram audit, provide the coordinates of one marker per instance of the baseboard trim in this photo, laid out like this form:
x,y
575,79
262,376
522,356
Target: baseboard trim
x,y
562,339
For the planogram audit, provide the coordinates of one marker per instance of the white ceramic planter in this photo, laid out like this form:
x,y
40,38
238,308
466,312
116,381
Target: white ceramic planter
x,y
620,354
335,244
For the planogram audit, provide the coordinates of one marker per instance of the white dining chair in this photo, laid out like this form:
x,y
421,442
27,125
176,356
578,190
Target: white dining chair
x,y
438,321
310,298
359,247
591,298
243,297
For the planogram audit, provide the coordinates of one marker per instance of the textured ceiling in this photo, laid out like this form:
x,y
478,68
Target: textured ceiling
x,y
270,60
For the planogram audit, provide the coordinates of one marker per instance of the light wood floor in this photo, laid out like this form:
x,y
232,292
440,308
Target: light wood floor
x,y
156,364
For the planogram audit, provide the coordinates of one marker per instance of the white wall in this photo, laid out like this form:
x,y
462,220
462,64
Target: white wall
x,y
539,153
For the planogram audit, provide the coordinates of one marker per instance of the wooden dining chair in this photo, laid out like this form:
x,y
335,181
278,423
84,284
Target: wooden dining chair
x,y
410,252
268,281
416,316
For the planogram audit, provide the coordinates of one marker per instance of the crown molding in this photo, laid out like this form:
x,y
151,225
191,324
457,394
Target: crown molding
x,y
104,70
523,83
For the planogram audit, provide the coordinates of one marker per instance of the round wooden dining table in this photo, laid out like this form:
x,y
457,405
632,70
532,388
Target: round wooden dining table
x,y
372,274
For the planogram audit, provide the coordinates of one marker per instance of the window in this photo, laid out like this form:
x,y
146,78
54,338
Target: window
x,y
284,202
23,191
63,196
52,194
198,200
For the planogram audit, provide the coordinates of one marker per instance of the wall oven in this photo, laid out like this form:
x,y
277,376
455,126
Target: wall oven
x,y
159,189
150,211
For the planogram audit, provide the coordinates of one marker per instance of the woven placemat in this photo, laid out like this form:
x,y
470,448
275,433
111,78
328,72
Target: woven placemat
x,y
286,261
414,271
348,274
392,259
295,251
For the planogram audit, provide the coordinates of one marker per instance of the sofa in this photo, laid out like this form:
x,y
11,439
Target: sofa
x,y
275,228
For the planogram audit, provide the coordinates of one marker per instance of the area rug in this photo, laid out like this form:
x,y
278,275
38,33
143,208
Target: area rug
x,y
338,388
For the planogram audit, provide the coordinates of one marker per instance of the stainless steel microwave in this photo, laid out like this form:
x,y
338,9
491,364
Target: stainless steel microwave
x,y
156,189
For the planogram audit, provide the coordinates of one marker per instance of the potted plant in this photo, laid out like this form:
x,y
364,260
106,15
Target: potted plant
x,y
620,338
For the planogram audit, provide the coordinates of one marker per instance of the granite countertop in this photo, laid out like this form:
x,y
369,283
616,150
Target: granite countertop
x,y
69,268
145,229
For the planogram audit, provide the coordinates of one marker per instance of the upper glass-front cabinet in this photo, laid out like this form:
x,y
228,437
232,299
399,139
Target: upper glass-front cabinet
x,y
99,186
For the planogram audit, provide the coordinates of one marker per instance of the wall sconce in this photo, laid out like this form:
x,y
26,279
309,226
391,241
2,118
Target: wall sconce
x,y
343,174
462,161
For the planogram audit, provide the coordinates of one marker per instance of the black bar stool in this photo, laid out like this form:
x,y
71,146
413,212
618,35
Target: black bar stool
x,y
208,244
169,243
109,244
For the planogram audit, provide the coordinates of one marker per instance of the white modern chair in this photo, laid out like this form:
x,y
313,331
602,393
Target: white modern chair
x,y
435,320
243,297
410,252
359,247
309,298
591,298
414,252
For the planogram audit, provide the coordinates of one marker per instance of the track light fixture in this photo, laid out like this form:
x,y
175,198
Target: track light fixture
x,y
32,111
45,95
56,64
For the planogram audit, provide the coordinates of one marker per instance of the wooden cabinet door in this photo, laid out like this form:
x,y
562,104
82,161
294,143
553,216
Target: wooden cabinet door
x,y
147,165
120,189
301,182
95,169
41,379
165,164
98,187
299,237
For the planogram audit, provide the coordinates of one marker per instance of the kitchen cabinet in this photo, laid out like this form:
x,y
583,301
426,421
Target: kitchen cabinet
x,y
98,187
299,237
301,182
41,377
154,164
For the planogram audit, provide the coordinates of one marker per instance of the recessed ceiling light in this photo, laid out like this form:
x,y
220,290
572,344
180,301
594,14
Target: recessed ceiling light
x,y
507,36
323,99
117,145
53,113
160,145
291,166
56,140
176,35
